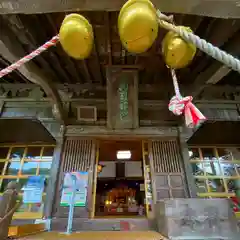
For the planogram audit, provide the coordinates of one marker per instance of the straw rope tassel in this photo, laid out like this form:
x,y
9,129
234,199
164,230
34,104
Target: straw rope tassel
x,y
179,105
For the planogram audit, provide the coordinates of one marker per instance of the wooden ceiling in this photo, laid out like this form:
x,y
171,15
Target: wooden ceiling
x,y
204,78
31,31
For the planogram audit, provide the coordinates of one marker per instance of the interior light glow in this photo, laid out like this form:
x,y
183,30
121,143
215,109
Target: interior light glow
x,y
190,153
124,155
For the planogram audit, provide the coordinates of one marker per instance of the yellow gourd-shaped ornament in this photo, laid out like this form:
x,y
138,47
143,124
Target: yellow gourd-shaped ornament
x,y
137,25
76,36
177,53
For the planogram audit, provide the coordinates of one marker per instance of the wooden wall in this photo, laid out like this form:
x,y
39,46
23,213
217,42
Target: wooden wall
x,y
79,155
167,170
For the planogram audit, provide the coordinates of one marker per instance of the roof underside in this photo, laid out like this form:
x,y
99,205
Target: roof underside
x,y
31,31
210,133
20,131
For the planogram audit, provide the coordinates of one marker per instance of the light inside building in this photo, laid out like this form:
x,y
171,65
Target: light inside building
x,y
123,155
190,153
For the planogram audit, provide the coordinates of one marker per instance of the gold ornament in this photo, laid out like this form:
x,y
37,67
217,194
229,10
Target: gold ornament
x,y
99,168
76,36
138,25
177,52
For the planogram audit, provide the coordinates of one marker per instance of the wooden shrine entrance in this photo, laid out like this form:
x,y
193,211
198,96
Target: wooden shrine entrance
x,y
163,174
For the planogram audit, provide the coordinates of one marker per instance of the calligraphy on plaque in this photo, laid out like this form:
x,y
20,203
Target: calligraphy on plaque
x,y
123,95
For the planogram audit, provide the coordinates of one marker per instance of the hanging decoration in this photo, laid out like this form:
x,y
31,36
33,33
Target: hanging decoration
x,y
179,105
76,36
138,24
177,53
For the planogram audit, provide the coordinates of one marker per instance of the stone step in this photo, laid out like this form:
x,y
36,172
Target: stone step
x,y
124,224
109,235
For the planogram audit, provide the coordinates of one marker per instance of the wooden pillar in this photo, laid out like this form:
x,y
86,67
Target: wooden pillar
x,y
54,175
7,209
191,186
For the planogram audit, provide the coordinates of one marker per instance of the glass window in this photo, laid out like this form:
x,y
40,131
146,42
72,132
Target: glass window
x,y
197,169
216,185
37,161
13,167
194,154
22,162
17,153
229,169
236,153
45,168
29,168
33,153
208,154
212,168
218,172
225,154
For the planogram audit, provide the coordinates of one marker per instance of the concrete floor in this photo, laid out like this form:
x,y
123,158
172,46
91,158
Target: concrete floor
x,y
114,235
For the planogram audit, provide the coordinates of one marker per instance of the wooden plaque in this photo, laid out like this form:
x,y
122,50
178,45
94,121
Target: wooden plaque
x,y
122,99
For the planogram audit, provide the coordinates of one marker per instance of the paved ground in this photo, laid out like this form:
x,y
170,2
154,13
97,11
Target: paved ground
x,y
114,235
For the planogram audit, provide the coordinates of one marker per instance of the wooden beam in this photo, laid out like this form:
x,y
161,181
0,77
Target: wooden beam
x,y
103,132
215,72
151,91
12,52
218,8
98,64
108,36
218,75
54,172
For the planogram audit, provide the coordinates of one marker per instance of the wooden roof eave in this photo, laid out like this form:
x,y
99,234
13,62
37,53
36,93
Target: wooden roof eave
x,y
218,9
33,74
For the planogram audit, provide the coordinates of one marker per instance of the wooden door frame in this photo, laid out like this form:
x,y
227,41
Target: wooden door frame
x,y
95,174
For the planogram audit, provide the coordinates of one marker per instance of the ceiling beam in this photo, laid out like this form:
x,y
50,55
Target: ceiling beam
x,y
218,8
12,51
216,71
142,88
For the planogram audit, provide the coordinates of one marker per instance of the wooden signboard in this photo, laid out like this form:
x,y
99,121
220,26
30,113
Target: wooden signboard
x,y
122,99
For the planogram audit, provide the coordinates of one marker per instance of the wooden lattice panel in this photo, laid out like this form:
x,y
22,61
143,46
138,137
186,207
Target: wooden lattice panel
x,y
168,171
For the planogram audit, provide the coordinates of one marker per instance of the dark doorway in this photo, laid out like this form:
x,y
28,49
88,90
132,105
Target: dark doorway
x,y
120,184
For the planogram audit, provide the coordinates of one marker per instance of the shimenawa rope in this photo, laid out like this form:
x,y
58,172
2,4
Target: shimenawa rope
x,y
202,44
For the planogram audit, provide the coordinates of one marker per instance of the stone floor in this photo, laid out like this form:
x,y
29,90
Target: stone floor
x,y
114,235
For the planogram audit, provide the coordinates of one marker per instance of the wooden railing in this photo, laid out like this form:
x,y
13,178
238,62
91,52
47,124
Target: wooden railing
x,y
8,205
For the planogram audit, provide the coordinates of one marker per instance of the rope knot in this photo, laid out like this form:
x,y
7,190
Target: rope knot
x,y
180,105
